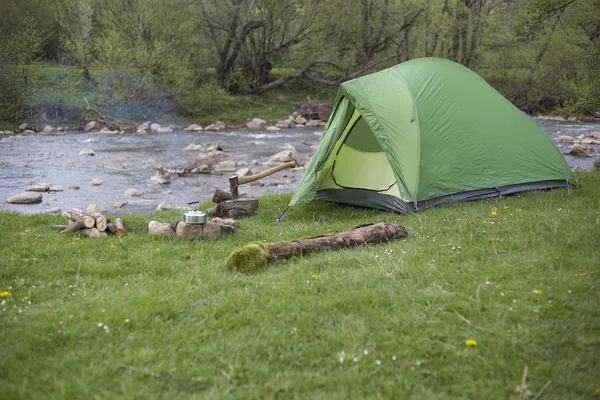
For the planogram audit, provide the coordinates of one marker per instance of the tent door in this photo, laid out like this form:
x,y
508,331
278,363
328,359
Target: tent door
x,y
361,163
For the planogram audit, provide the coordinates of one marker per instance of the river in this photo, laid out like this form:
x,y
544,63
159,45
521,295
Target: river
x,y
125,161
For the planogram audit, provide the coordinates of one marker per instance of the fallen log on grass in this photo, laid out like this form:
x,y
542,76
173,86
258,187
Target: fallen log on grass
x,y
251,256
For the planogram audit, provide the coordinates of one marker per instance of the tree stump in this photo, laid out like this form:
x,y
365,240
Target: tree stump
x,y
238,208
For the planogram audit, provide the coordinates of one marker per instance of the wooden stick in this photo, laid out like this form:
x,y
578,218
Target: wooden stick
x,y
253,255
75,226
60,227
537,396
523,385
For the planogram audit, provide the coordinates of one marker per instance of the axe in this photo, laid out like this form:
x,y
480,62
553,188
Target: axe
x,y
235,181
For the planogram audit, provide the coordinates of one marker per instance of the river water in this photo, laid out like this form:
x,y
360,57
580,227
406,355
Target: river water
x,y
125,161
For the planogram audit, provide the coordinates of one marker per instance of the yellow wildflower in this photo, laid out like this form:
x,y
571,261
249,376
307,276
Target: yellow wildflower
x,y
112,246
505,208
494,213
471,343
314,277
537,291
5,294
518,210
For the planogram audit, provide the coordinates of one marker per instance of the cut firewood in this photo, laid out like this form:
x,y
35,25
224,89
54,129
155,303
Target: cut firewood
x,y
117,228
101,221
93,233
76,226
239,208
221,195
253,255
76,216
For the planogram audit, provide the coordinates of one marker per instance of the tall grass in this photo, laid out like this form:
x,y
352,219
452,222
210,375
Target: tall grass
x,y
156,317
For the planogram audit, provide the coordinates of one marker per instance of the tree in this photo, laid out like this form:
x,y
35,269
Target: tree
x,y
227,26
17,51
580,19
76,18
285,24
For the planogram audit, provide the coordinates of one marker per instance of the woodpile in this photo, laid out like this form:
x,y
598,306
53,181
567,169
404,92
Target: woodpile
x,y
91,224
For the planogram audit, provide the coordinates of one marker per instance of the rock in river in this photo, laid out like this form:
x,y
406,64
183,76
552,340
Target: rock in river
x,y
133,192
91,126
193,128
86,152
581,151
40,187
256,123
283,156
25,198
160,179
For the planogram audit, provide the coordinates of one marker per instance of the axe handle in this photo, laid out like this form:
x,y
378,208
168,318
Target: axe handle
x,y
270,171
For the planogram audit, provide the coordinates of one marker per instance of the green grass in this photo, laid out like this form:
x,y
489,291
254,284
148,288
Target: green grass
x,y
182,325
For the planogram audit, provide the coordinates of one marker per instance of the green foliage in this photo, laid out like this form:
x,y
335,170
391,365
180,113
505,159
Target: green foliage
x,y
158,317
58,95
596,165
18,50
140,58
579,23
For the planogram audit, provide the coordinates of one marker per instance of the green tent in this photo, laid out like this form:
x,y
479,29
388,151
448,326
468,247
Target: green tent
x,y
425,132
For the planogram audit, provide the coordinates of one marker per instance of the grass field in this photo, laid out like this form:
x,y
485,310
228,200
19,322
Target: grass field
x,y
155,317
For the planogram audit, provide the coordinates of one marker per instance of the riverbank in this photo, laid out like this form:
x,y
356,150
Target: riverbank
x,y
124,161
503,291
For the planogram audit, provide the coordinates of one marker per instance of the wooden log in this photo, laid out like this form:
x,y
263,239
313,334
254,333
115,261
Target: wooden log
x,y
76,226
76,216
251,256
221,196
100,220
117,228
238,208
93,233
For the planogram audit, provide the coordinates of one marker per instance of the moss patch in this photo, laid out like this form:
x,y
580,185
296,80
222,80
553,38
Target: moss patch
x,y
248,258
